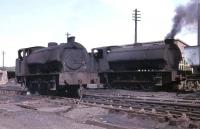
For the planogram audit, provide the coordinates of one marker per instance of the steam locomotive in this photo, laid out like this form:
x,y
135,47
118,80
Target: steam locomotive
x,y
144,66
62,68
67,67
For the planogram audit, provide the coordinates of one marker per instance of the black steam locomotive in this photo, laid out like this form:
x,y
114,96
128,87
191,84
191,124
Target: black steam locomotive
x,y
140,66
68,66
62,68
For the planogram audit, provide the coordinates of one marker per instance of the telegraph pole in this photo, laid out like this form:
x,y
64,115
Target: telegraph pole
x,y
3,53
136,17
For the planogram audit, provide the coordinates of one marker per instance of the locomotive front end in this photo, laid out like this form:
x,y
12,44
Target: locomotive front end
x,y
63,67
77,65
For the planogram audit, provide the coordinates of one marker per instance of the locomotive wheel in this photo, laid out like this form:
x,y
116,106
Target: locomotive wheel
x,y
74,91
146,87
32,91
80,92
31,88
42,90
77,93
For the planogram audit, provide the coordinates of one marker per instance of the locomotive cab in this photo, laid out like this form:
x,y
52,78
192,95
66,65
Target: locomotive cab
x,y
21,62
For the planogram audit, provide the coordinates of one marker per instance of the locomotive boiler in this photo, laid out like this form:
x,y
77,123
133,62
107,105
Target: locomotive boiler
x,y
62,68
139,66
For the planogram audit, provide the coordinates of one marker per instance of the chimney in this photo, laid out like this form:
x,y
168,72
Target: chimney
x,y
169,41
71,39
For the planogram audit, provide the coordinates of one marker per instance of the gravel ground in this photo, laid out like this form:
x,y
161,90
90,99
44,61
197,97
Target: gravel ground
x,y
134,93
54,113
47,116
39,120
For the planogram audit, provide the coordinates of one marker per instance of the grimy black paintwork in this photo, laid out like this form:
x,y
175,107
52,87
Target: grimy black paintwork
x,y
68,66
63,67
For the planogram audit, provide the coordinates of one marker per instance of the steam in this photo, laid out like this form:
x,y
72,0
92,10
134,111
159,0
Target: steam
x,y
186,15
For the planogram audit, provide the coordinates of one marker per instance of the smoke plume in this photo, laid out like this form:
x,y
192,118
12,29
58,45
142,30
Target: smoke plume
x,y
185,15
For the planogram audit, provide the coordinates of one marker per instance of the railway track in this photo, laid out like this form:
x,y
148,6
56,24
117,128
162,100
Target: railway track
x,y
139,105
177,108
11,90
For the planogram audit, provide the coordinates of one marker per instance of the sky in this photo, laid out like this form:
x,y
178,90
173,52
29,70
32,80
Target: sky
x,y
94,23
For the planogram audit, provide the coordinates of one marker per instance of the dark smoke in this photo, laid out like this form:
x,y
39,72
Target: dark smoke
x,y
186,15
